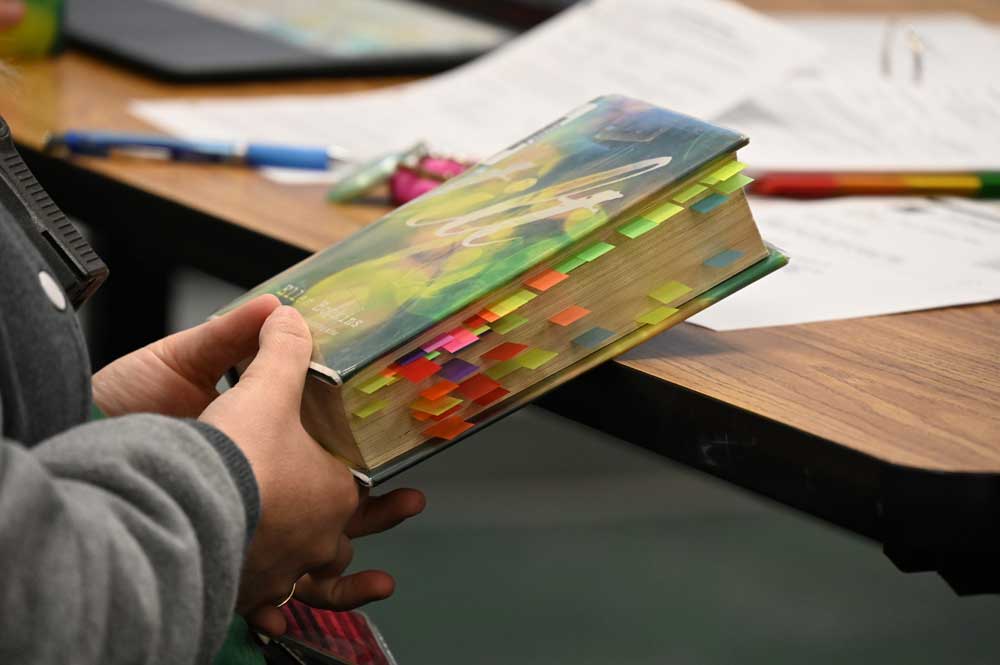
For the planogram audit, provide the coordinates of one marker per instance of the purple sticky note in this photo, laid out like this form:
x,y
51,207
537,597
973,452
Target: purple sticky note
x,y
410,357
457,370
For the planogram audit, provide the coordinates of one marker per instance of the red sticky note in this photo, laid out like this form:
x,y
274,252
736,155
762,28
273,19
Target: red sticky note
x,y
504,351
491,396
418,370
474,322
477,386
546,280
569,315
448,428
420,415
439,390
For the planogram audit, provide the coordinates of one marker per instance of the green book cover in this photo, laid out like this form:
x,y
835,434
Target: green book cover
x,y
431,258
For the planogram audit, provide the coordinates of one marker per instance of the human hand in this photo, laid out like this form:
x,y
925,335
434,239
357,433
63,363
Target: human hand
x,y
310,504
11,13
177,375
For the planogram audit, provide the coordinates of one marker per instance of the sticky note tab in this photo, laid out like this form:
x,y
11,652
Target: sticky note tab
x,y
637,227
535,358
409,357
432,355
437,406
442,416
738,181
724,172
595,251
377,383
437,342
508,323
509,304
418,370
480,331
546,280
569,315
447,429
709,203
371,408
456,370
569,265
723,259
477,386
593,337
689,193
669,292
420,415
502,369
663,212
461,338
475,321
504,351
439,390
654,316
487,316
492,396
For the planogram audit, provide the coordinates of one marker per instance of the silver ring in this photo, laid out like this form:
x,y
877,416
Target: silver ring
x,y
290,594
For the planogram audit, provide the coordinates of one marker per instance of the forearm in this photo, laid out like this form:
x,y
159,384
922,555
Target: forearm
x,y
122,541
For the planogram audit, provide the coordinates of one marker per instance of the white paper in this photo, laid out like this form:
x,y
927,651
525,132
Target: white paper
x,y
864,257
699,58
953,45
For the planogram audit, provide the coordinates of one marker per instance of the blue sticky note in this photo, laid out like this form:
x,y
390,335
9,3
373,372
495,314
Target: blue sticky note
x,y
723,259
709,203
593,337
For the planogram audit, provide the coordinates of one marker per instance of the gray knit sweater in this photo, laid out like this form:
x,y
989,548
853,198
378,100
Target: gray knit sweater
x,y
120,540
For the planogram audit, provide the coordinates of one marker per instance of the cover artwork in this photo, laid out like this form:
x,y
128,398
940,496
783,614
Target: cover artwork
x,y
436,255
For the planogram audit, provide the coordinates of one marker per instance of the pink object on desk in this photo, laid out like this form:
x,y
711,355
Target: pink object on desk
x,y
407,183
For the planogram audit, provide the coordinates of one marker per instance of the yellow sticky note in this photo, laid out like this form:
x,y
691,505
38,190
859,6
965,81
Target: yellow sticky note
x,y
730,185
663,212
435,407
502,369
375,384
669,292
654,316
724,172
689,193
510,303
371,408
535,358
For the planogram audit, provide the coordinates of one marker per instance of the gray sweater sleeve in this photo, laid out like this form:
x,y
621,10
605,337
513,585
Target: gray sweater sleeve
x,y
122,542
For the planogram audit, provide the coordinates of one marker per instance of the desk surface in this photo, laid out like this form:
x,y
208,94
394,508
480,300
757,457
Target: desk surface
x,y
919,389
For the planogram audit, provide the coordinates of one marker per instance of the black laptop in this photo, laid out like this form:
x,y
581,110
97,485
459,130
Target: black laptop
x,y
211,40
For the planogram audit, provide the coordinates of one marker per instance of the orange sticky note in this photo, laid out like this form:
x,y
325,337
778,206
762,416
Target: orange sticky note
x,y
447,429
569,315
438,390
420,415
546,280
488,316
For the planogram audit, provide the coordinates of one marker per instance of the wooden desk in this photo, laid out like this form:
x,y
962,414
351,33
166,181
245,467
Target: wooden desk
x,y
889,426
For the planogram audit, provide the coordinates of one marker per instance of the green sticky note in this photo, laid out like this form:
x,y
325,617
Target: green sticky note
x,y
502,369
371,407
569,265
654,316
663,212
437,406
377,383
637,227
595,251
534,358
481,330
724,172
669,292
432,355
689,193
738,181
508,323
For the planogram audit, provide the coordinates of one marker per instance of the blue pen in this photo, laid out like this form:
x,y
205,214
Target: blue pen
x,y
104,144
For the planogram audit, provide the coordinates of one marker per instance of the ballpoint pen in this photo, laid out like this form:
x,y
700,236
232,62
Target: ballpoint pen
x,y
104,144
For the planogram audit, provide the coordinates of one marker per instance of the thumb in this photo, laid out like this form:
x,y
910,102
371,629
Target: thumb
x,y
282,362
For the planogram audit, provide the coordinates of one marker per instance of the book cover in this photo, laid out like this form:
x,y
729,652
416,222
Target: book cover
x,y
431,258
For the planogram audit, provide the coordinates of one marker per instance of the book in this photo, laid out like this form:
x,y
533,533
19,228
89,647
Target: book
x,y
609,225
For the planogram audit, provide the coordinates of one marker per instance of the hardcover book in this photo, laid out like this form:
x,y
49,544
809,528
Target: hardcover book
x,y
604,228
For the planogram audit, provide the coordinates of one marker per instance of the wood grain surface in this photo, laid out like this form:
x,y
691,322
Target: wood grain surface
x,y
920,389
